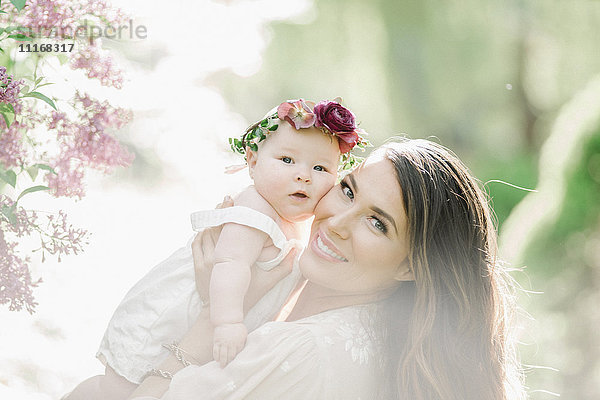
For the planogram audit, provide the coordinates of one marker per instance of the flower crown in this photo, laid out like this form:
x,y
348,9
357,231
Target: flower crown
x,y
329,116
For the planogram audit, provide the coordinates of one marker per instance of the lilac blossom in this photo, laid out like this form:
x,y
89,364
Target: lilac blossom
x,y
72,144
9,88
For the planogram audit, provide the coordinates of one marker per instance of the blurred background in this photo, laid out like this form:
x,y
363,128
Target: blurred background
x,y
512,87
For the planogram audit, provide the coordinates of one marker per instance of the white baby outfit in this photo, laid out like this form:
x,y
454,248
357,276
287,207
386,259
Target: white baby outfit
x,y
164,304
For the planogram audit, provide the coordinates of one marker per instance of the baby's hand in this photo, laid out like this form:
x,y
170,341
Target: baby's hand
x,y
228,341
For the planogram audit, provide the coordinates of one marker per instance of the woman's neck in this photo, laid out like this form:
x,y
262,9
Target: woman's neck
x,y
315,299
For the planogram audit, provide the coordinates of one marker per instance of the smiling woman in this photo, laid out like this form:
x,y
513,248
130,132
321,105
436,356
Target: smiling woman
x,y
403,298
359,242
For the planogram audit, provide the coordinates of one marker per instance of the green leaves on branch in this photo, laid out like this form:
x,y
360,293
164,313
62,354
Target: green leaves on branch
x,y
8,113
34,169
32,190
9,213
20,37
42,97
19,4
9,177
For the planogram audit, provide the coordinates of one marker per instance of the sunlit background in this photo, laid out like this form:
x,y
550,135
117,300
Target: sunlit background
x,y
512,87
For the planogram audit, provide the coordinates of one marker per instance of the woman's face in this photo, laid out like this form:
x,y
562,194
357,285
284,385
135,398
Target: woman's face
x,y
358,242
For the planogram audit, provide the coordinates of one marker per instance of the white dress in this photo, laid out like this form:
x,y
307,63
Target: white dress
x,y
164,304
333,355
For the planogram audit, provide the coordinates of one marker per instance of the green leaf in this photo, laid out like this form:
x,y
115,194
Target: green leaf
x,y
21,37
42,97
31,190
62,59
9,212
8,118
2,29
2,12
45,167
8,113
19,4
33,172
264,122
274,127
7,107
9,177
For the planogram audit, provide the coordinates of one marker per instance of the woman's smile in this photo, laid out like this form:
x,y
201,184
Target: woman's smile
x,y
324,248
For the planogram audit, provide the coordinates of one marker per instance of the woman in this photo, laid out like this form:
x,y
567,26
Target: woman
x,y
403,300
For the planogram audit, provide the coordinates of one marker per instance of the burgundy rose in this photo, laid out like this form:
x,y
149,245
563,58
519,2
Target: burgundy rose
x,y
334,116
347,141
339,121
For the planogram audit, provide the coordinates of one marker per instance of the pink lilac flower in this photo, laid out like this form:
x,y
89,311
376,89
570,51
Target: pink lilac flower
x,y
58,237
61,19
16,285
86,143
9,88
63,238
98,64
12,149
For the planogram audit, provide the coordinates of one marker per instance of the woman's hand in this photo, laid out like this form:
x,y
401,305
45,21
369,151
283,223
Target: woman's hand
x,y
203,248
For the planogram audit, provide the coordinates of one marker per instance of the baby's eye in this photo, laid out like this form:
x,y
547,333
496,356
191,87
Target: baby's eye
x,y
286,160
320,168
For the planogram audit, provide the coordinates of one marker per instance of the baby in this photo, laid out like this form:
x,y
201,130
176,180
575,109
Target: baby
x,y
293,156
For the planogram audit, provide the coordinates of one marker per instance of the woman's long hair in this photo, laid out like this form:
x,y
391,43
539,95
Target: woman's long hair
x,y
456,343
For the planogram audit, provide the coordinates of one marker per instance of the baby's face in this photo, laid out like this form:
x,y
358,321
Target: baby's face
x,y
294,169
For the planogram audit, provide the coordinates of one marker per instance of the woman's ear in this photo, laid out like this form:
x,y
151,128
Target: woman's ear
x,y
251,158
404,272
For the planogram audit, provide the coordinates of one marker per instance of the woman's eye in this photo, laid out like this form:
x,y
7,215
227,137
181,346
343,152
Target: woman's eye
x,y
286,160
378,224
320,168
347,191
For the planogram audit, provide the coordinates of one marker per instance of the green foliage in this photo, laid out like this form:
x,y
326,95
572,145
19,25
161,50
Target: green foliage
x,y
8,176
42,97
8,113
19,4
519,170
580,213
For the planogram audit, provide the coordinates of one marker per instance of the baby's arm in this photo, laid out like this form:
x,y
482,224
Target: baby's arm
x,y
236,251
